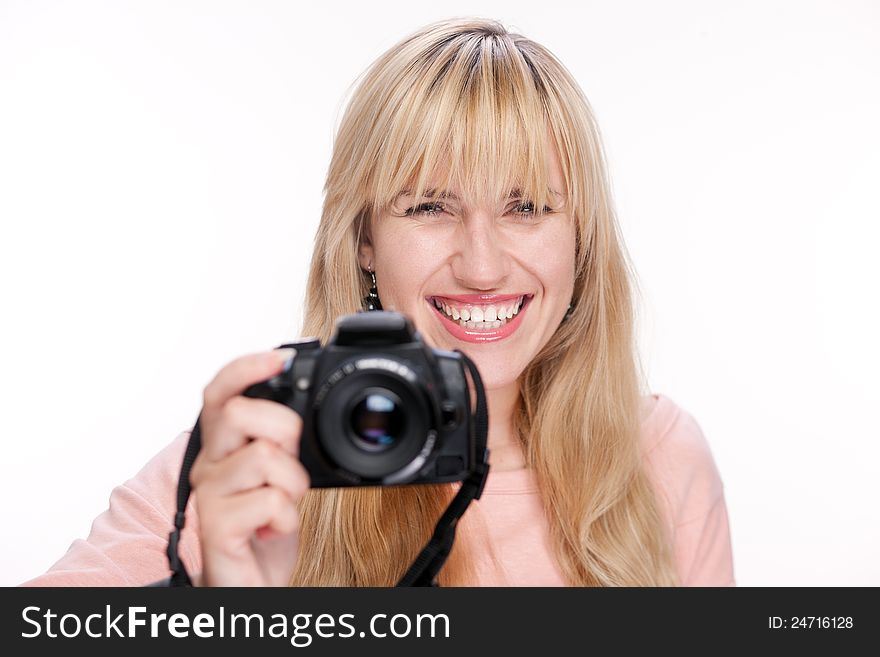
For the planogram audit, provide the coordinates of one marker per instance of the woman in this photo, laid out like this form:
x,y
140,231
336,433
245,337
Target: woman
x,y
468,189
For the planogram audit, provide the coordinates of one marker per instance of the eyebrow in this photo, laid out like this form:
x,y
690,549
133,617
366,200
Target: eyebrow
x,y
514,193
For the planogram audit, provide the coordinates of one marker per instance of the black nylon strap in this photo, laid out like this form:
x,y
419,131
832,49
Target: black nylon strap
x,y
179,576
429,561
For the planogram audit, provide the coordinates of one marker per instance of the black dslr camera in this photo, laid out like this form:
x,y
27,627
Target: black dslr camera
x,y
379,406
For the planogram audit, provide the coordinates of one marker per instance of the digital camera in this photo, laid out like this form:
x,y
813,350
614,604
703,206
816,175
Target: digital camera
x,y
379,406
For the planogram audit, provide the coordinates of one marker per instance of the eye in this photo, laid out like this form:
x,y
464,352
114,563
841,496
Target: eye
x,y
425,209
527,209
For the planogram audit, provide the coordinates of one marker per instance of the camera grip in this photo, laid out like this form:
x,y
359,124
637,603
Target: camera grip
x,y
274,389
280,387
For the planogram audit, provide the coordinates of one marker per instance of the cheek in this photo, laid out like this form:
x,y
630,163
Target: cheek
x,y
551,254
408,259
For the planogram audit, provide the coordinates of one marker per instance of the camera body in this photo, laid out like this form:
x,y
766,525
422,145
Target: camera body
x,y
379,406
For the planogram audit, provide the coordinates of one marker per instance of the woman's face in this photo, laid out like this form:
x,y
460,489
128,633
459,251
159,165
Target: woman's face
x,y
492,282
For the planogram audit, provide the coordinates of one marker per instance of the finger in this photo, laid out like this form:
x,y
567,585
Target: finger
x,y
238,517
259,463
245,418
242,372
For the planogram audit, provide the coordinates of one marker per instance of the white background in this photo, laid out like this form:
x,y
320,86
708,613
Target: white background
x,y
161,173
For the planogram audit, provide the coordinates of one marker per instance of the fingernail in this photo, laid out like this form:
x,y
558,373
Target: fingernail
x,y
283,355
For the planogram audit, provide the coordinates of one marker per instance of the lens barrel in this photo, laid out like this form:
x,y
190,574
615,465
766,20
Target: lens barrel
x,y
374,419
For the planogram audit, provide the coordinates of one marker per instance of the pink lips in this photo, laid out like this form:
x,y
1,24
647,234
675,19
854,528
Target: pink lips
x,y
480,298
471,335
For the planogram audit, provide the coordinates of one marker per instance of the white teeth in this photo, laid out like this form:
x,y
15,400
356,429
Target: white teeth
x,y
498,323
480,317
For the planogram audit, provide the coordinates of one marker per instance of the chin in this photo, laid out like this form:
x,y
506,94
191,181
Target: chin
x,y
495,372
493,360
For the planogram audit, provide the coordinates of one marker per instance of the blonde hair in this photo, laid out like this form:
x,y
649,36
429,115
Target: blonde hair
x,y
469,98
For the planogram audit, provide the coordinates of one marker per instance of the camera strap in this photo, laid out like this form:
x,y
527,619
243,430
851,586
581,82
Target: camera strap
x,y
429,561
179,576
433,556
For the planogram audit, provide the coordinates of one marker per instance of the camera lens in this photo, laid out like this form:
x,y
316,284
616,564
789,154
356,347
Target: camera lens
x,y
373,418
378,420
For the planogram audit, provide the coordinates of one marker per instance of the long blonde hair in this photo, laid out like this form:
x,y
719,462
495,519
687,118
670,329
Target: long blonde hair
x,y
467,97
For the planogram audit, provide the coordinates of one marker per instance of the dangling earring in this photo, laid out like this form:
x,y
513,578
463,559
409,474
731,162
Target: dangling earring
x,y
371,301
569,312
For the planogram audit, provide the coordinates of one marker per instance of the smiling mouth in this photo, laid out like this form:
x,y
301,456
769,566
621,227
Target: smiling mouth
x,y
484,316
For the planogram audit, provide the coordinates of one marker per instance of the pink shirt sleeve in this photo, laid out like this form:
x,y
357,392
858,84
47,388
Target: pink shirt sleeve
x,y
691,492
127,542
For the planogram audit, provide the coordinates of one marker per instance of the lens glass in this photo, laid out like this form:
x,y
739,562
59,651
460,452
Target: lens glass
x,y
378,421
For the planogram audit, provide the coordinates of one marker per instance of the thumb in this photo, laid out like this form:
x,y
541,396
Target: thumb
x,y
276,555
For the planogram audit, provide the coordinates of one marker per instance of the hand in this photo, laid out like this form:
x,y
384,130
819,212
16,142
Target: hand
x,y
248,479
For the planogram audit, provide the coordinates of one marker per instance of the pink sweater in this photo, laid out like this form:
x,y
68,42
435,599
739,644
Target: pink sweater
x,y
126,545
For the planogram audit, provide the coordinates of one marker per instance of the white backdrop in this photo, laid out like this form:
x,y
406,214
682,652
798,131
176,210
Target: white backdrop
x,y
161,168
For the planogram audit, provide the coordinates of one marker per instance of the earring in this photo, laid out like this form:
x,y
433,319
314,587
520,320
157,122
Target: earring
x,y
371,301
569,312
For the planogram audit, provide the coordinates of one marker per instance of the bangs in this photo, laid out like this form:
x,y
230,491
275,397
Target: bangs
x,y
469,116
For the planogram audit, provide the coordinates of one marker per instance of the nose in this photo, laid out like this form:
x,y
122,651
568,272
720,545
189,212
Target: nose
x,y
481,261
